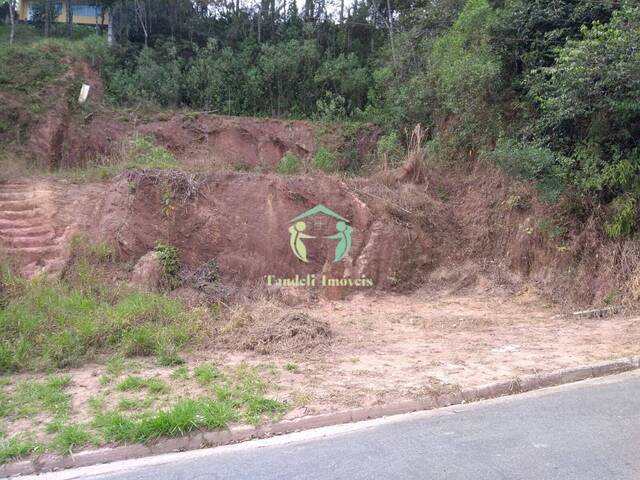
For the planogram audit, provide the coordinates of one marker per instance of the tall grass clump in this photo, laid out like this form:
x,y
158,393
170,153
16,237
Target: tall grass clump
x,y
50,323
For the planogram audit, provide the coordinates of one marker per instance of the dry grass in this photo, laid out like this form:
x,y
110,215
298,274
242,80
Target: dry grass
x,y
267,328
415,163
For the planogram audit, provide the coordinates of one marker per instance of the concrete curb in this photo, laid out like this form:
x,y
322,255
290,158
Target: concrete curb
x,y
51,462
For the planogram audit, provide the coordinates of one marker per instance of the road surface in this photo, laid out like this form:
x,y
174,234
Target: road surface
x,y
588,430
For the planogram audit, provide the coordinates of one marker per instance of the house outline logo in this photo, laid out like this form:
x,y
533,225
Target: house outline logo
x,y
298,235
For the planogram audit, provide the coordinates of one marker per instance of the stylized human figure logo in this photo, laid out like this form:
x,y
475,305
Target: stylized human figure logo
x,y
344,235
297,234
296,240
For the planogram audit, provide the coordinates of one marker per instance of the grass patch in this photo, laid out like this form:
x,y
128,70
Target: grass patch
x,y
134,404
70,437
325,160
288,165
137,152
15,448
49,323
206,374
186,415
180,373
245,389
31,398
153,385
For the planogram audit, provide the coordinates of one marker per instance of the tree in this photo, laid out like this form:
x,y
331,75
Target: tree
x,y
69,16
12,19
47,17
143,18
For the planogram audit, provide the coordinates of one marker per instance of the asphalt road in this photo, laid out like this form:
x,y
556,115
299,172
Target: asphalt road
x,y
584,431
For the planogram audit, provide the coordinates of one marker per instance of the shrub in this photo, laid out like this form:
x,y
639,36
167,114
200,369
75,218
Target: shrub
x,y
289,164
390,150
624,219
325,160
533,162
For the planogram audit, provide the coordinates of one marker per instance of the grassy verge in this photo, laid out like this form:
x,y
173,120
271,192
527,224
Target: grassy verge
x,y
46,323
134,408
85,316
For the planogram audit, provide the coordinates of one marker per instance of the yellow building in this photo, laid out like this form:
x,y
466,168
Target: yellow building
x,y
84,13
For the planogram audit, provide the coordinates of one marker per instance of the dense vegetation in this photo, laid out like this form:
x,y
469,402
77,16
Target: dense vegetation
x,y
549,89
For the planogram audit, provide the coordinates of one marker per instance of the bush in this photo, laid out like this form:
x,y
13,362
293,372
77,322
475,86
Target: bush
x,y
325,160
169,258
624,219
532,162
289,164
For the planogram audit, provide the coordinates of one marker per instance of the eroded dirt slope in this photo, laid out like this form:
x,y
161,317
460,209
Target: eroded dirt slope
x,y
242,221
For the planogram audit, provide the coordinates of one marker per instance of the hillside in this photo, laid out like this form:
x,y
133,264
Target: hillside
x,y
258,216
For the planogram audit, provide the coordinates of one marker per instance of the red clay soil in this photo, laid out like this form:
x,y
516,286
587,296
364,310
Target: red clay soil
x,y
242,221
237,142
68,135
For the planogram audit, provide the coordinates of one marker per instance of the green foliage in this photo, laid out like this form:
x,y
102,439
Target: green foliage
x,y
156,76
289,164
468,75
48,323
625,219
15,448
169,258
144,153
325,160
532,162
180,419
527,33
390,151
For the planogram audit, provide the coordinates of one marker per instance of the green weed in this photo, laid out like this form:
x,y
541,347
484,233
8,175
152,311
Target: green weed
x,y
206,374
48,323
134,404
288,165
71,437
325,160
153,385
181,373
15,448
180,419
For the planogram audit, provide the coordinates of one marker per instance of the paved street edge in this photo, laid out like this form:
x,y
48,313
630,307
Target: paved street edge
x,y
50,462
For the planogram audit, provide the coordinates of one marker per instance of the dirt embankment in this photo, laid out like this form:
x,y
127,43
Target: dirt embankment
x,y
68,134
243,222
465,228
467,222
